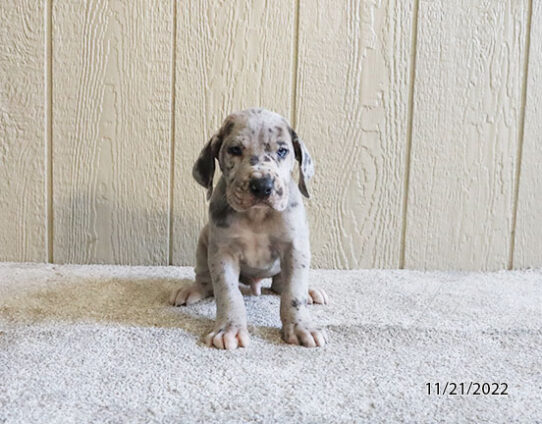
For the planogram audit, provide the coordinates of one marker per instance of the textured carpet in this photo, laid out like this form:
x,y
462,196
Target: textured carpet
x,y
100,344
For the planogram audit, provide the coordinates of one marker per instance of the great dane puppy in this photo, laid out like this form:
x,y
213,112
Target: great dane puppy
x,y
257,228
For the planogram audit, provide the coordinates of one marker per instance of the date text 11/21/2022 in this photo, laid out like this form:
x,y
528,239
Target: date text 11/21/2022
x,y
465,389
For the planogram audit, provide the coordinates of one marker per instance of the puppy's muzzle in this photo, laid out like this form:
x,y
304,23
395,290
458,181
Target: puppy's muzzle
x,y
262,187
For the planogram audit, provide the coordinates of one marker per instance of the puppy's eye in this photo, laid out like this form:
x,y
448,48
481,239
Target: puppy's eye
x,y
235,151
282,152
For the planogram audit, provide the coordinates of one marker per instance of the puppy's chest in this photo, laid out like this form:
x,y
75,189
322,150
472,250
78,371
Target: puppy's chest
x,y
257,250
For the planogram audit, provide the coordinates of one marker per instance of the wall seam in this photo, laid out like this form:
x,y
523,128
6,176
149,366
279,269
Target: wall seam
x,y
172,131
295,54
410,113
49,128
521,135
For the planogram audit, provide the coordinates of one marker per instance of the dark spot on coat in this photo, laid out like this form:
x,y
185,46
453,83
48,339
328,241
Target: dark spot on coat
x,y
254,160
296,303
267,159
267,147
279,131
282,143
269,130
280,191
293,205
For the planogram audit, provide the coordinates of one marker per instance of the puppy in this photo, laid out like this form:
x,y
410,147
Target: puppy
x,y
257,228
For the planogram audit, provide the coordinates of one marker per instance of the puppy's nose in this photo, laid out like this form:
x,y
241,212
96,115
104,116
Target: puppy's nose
x,y
261,187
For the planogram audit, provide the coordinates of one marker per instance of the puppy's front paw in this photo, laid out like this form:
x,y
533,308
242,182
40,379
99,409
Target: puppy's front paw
x,y
304,335
317,296
189,294
228,337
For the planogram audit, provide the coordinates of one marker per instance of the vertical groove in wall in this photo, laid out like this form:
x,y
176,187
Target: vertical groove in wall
x,y
410,113
172,130
48,71
519,155
295,53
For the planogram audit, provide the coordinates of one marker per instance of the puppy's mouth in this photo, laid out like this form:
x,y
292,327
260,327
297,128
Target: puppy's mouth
x,y
241,198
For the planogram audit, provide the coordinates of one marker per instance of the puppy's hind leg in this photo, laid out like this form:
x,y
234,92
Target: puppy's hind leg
x,y
277,283
317,296
203,286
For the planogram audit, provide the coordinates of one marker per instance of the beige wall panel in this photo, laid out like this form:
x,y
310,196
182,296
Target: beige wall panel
x,y
22,138
349,81
230,55
467,104
528,245
111,94
352,109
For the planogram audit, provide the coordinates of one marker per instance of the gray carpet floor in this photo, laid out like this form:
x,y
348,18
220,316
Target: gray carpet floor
x,y
100,344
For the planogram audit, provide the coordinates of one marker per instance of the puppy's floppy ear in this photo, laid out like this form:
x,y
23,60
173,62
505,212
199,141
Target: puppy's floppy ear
x,y
306,164
204,168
